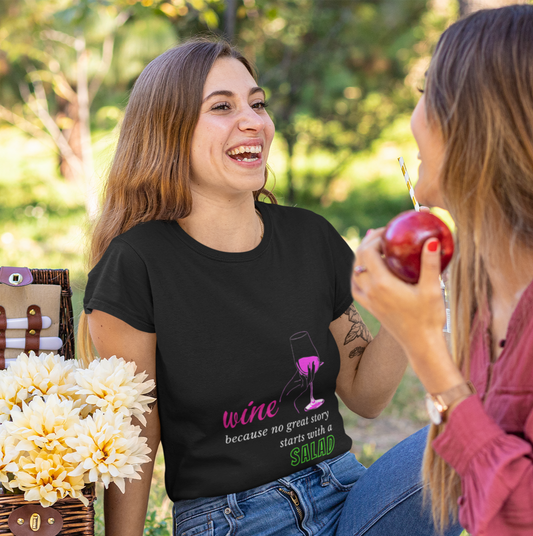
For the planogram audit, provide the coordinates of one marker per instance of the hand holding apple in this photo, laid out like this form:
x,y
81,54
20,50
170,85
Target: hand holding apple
x,y
404,238
412,314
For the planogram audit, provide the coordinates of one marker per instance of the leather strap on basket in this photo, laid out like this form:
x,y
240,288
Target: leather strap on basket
x,y
35,324
3,327
15,277
32,519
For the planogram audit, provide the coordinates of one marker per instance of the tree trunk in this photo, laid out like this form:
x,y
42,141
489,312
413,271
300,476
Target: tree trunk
x,y
69,111
291,192
469,6
91,195
230,19
464,7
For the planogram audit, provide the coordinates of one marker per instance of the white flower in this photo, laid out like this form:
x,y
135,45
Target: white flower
x,y
44,423
8,456
45,477
10,395
111,384
32,375
107,447
50,444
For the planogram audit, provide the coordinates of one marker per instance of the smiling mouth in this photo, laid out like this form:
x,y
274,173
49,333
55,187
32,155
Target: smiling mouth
x,y
246,153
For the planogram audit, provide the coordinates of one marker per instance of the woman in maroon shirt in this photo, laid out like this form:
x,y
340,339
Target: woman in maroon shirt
x,y
474,129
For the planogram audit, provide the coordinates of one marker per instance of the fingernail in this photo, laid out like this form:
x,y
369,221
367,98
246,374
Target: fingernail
x,y
433,245
369,231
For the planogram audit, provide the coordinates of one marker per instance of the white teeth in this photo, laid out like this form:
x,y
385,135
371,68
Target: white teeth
x,y
245,149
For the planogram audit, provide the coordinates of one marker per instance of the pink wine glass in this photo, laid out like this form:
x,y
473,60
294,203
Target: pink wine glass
x,y
307,363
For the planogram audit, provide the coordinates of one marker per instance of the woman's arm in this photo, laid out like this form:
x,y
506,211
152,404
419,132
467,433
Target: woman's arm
x,y
496,470
495,467
371,369
126,513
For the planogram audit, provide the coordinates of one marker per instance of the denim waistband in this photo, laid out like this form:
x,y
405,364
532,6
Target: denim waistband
x,y
207,504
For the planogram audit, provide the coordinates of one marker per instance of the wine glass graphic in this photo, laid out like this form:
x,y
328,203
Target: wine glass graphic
x,y
307,363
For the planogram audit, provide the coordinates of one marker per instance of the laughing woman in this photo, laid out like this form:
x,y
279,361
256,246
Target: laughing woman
x,y
474,129
242,312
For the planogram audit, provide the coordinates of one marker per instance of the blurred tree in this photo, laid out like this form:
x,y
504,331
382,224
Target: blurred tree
x,y
469,6
47,47
336,73
195,17
335,69
54,57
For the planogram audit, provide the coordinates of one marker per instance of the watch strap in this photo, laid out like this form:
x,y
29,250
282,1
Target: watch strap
x,y
442,401
447,398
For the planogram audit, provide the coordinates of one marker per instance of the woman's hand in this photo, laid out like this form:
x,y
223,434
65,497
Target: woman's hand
x,y
409,312
413,314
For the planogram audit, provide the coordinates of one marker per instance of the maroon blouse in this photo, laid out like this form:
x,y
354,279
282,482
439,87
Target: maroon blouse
x,y
489,437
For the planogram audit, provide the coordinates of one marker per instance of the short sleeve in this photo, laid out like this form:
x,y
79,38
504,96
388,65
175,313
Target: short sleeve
x,y
120,286
343,259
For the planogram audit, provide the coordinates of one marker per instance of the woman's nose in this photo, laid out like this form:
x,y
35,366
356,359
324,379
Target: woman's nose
x,y
250,120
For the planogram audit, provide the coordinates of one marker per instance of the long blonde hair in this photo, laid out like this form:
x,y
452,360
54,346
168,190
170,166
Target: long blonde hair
x,y
479,93
150,174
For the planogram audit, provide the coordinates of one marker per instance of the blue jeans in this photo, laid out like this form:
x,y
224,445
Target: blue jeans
x,y
338,497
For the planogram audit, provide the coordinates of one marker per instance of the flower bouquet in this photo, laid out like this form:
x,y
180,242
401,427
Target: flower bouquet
x,y
64,427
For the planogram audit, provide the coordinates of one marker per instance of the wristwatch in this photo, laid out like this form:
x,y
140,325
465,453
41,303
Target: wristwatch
x,y
437,405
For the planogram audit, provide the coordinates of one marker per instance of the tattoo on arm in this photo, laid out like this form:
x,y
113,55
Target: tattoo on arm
x,y
357,352
358,330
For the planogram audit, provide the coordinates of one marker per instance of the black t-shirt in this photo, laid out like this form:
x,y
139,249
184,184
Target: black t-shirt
x,y
243,345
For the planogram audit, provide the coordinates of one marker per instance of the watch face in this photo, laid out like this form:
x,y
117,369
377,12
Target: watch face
x,y
433,412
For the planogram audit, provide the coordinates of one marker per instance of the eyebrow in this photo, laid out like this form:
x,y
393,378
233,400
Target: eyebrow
x,y
227,93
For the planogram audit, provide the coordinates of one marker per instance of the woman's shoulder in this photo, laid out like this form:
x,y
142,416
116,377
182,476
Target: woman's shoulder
x,y
293,214
301,222
144,231
142,239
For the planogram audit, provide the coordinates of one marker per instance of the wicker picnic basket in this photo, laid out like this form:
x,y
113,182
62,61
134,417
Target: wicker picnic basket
x,y
67,516
66,325
23,292
76,518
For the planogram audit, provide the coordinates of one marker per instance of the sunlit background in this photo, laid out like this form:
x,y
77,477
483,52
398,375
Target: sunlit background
x,y
342,77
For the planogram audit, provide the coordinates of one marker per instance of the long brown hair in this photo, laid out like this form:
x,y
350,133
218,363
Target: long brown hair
x,y
479,94
150,173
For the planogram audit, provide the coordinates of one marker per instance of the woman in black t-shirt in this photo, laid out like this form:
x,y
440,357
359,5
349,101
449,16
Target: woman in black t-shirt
x,y
242,312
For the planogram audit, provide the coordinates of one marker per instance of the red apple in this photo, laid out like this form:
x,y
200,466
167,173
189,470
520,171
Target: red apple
x,y
404,238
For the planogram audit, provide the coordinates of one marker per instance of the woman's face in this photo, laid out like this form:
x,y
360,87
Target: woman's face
x,y
232,139
431,156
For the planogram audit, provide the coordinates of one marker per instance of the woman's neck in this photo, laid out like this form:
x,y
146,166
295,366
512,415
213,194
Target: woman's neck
x,y
509,278
231,225
509,275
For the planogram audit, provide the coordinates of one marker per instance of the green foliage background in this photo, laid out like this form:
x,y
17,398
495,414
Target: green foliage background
x,y
341,77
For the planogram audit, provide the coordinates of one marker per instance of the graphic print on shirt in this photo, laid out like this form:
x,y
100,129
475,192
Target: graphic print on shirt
x,y
307,363
305,438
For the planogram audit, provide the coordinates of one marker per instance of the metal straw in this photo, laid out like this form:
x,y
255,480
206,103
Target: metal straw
x,y
409,184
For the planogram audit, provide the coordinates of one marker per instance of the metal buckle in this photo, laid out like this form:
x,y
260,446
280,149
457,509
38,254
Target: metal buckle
x,y
16,279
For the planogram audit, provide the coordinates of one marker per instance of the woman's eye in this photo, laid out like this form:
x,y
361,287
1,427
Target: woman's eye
x,y
222,106
420,90
261,105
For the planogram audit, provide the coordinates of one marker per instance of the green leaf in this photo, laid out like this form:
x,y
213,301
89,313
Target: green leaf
x,y
210,18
